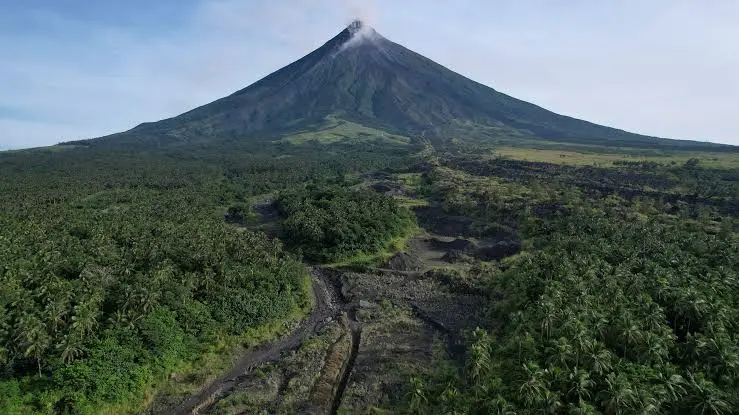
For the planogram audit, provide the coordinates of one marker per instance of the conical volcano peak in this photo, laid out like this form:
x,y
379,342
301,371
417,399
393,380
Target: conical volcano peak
x,y
360,77
360,32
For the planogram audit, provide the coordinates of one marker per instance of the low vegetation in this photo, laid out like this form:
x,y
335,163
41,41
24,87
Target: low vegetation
x,y
607,157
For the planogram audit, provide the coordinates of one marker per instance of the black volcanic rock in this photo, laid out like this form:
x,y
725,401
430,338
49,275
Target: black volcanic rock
x,y
362,77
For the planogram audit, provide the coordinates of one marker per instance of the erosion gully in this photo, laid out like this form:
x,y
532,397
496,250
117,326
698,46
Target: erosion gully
x,y
329,304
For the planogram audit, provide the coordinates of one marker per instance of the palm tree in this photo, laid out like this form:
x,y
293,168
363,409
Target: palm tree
x,y
148,300
552,402
674,386
720,355
549,314
648,403
70,348
704,398
560,353
582,341
651,349
479,359
600,325
533,390
451,401
85,317
417,396
56,312
630,335
619,396
581,384
599,359
653,315
502,407
582,408
33,338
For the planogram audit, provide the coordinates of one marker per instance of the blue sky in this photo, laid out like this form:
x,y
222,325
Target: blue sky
x,y
81,69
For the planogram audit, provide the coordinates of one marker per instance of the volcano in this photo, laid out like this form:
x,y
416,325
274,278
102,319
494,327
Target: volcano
x,y
362,78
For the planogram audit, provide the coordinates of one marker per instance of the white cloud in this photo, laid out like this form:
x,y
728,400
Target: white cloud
x,y
664,67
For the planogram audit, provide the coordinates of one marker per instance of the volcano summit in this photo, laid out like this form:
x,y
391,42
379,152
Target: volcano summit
x,y
363,78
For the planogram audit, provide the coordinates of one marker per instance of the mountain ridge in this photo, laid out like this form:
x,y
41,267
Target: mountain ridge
x,y
362,77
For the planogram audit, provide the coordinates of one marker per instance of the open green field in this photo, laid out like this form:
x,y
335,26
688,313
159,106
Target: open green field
x,y
337,130
589,158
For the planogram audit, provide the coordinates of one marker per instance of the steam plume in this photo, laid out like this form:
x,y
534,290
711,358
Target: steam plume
x,y
363,10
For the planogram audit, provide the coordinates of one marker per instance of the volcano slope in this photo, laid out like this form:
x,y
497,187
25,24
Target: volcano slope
x,y
364,83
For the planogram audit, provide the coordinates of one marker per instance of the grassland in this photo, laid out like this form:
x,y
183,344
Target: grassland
x,y
589,157
340,130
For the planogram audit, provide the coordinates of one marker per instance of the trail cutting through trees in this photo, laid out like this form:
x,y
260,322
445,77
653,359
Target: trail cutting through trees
x,y
329,304
338,297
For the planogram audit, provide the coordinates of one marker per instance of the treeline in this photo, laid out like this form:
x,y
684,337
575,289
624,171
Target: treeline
x,y
327,223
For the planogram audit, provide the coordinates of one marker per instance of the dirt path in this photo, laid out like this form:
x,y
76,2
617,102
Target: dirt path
x,y
328,304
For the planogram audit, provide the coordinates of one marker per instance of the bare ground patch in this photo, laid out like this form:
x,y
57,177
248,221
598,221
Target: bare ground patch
x,y
394,347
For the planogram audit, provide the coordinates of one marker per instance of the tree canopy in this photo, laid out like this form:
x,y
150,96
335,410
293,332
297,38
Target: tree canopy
x,y
327,223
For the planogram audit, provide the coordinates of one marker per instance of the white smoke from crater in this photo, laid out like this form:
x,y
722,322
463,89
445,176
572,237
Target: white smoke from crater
x,y
361,33
362,14
362,10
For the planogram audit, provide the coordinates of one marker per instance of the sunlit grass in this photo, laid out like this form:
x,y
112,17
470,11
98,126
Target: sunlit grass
x,y
409,202
339,130
393,246
584,158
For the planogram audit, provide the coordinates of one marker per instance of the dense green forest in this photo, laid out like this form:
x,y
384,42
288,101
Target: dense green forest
x,y
117,269
329,223
624,300
617,290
